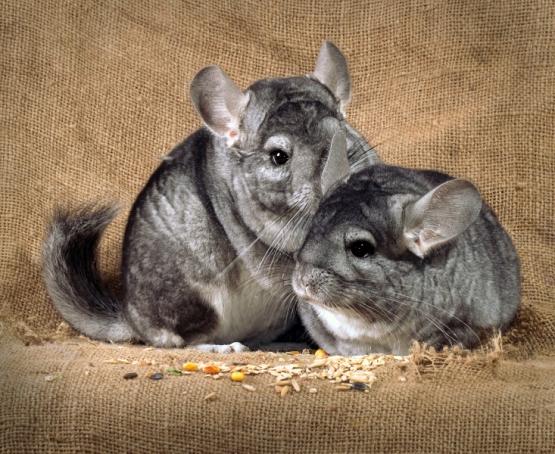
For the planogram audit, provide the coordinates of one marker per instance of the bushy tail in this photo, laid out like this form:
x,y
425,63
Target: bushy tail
x,y
72,277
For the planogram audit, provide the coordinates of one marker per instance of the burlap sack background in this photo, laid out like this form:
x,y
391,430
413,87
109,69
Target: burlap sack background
x,y
95,93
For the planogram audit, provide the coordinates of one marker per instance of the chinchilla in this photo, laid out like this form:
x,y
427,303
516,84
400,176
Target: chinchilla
x,y
207,252
396,255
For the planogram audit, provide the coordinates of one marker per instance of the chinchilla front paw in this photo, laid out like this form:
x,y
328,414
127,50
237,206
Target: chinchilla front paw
x,y
234,347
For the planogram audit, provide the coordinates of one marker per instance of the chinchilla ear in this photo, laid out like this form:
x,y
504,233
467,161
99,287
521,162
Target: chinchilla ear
x,y
331,69
219,102
440,216
337,166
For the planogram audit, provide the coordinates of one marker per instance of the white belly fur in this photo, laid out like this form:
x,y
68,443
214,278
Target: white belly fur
x,y
248,312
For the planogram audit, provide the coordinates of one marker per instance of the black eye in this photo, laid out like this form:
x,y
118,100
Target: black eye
x,y
278,157
361,248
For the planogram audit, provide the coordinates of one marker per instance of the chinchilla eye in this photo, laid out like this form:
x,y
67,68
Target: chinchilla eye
x,y
278,156
361,248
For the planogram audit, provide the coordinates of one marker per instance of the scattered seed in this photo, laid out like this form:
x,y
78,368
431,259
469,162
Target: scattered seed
x,y
117,361
320,353
343,372
312,390
51,377
130,375
173,371
190,367
359,377
237,376
318,363
284,391
144,362
248,387
211,369
360,386
209,397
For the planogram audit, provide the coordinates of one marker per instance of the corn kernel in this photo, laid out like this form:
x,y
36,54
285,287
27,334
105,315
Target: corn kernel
x,y
320,353
211,369
190,367
237,376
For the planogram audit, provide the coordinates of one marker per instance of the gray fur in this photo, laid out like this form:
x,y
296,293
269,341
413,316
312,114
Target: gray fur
x,y
82,299
443,272
207,254
331,70
337,165
219,102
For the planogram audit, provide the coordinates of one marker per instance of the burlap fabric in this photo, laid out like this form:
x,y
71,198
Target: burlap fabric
x,y
94,94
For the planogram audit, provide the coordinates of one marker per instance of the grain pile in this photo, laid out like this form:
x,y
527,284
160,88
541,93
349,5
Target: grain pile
x,y
290,372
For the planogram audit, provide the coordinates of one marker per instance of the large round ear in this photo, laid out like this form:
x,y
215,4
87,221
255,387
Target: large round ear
x,y
331,69
337,166
219,102
440,216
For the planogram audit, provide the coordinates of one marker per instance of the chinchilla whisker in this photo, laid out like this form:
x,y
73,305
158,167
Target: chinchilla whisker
x,y
291,302
271,247
429,316
237,258
376,314
246,249
401,297
442,327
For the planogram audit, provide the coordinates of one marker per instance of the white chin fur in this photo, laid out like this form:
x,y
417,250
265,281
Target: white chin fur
x,y
349,327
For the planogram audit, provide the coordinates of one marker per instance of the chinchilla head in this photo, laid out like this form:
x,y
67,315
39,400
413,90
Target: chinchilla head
x,y
283,142
372,239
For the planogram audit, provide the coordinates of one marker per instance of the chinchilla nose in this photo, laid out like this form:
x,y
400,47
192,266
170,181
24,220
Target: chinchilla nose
x,y
311,280
302,280
306,280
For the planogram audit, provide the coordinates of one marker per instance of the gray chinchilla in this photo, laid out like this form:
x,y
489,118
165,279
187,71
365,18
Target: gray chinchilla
x,y
207,248
396,255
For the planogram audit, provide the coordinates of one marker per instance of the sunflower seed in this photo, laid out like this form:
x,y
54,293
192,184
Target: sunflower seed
x,y
211,396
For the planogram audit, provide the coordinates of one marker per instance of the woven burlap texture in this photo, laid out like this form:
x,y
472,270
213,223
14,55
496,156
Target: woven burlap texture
x,y
95,93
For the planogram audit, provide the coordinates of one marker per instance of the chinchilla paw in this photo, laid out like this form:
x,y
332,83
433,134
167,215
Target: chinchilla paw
x,y
234,347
